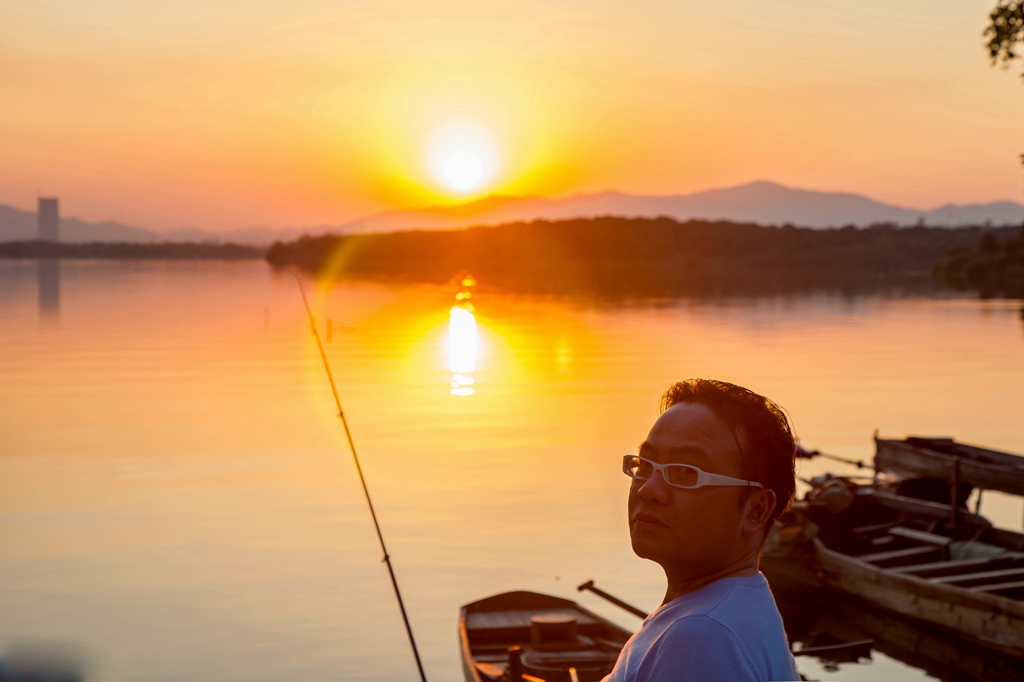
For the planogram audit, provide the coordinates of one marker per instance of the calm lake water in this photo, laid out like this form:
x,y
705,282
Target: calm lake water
x,y
178,502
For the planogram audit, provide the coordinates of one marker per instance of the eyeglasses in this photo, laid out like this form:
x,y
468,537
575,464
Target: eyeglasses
x,y
678,475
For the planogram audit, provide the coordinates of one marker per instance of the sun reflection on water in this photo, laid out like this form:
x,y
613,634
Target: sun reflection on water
x,y
462,339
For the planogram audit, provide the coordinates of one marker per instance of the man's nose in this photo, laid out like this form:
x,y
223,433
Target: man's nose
x,y
654,488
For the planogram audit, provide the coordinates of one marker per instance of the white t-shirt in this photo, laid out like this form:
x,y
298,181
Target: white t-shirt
x,y
728,630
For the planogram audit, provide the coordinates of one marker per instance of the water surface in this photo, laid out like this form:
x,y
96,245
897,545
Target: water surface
x,y
179,503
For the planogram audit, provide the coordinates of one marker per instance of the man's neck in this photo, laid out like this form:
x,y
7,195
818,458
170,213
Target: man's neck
x,y
680,584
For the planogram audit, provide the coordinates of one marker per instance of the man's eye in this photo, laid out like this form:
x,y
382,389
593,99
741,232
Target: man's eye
x,y
644,469
683,475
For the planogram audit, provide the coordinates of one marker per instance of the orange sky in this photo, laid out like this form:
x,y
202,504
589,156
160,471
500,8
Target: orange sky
x,y
232,113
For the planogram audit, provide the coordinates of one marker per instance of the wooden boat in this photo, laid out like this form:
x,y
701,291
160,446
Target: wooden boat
x,y
816,617
968,466
956,573
524,635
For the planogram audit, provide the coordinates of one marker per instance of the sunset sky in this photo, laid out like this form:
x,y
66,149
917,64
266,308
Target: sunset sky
x,y
229,113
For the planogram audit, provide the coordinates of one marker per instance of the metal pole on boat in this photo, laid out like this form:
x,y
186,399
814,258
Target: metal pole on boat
x,y
954,494
860,464
362,480
589,585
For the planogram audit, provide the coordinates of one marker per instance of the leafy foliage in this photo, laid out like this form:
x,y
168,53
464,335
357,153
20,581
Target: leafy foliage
x,y
993,269
1005,31
642,257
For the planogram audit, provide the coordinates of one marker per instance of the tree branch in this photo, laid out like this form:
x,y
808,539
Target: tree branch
x,y
1005,31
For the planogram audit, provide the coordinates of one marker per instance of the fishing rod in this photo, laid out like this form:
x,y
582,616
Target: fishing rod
x,y
362,480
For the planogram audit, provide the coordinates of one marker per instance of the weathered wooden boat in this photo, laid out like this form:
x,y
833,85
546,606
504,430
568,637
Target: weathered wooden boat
x,y
964,466
519,635
954,572
817,617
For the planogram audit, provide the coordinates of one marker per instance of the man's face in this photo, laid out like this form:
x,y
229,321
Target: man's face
x,y
689,532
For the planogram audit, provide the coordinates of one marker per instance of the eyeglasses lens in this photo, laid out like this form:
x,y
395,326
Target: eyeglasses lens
x,y
682,475
677,474
637,468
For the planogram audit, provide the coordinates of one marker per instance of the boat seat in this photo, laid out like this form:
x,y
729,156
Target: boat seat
x,y
897,556
920,536
998,587
939,568
978,578
514,625
874,528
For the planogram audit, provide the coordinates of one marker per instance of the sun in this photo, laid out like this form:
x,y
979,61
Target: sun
x,y
463,159
463,170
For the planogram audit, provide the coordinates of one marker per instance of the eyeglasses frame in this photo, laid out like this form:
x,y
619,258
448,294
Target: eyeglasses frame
x,y
703,477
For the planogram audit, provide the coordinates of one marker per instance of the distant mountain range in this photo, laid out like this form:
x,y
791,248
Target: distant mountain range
x,y
17,225
766,203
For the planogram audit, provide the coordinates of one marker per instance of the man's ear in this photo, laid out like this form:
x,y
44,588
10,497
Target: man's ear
x,y
758,510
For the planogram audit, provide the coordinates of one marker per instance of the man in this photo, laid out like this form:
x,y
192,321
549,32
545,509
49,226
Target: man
x,y
713,474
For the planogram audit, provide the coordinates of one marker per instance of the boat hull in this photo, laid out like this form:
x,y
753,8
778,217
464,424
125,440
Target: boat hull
x,y
987,619
814,616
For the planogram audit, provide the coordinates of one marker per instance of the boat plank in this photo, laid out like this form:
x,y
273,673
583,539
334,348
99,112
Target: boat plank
x,y
495,620
915,506
941,568
998,587
920,536
874,528
982,577
879,558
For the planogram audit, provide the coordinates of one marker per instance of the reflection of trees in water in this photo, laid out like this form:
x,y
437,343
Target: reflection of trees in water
x,y
49,286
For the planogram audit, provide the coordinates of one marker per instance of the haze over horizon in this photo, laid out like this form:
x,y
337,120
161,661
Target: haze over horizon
x,y
226,115
763,203
487,206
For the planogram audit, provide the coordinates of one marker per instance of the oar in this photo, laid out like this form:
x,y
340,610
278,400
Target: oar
x,y
589,585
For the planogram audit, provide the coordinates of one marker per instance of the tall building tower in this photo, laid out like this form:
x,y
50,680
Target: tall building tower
x,y
49,220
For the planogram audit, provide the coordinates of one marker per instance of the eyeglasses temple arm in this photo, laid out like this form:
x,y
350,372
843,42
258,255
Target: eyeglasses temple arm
x,y
719,479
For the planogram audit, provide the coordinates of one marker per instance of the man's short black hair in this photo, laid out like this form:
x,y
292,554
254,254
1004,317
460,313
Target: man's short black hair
x,y
765,438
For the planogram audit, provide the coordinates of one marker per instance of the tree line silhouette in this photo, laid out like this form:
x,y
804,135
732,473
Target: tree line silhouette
x,y
644,257
992,268
129,250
